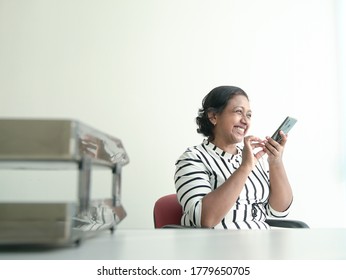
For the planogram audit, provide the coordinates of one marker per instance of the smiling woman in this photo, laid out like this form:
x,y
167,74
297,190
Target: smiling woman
x,y
231,125
117,58
224,182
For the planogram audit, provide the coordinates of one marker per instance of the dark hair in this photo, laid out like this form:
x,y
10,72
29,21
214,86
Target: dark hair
x,y
215,101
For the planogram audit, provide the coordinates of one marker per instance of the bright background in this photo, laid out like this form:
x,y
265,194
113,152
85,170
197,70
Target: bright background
x,y
139,69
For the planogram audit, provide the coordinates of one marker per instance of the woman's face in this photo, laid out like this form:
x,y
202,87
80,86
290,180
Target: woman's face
x,y
231,126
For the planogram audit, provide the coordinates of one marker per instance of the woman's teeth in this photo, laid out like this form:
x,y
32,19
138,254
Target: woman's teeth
x,y
240,129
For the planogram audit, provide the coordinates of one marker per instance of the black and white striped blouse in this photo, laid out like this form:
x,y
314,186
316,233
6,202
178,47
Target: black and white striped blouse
x,y
201,169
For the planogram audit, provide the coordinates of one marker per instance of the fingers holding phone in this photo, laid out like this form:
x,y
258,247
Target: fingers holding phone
x,y
275,149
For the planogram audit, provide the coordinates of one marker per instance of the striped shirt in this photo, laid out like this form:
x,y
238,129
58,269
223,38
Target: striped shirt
x,y
203,168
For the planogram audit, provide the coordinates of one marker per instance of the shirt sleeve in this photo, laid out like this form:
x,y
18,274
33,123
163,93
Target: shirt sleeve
x,y
192,183
277,214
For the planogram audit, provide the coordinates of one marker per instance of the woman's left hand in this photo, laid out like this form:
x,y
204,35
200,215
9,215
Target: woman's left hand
x,y
274,149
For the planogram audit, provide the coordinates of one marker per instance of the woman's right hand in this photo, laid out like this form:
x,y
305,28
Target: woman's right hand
x,y
253,151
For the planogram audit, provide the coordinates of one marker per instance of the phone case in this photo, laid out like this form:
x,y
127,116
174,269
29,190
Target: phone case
x,y
286,126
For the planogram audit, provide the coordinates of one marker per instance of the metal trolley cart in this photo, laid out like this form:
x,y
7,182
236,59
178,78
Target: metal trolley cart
x,y
53,144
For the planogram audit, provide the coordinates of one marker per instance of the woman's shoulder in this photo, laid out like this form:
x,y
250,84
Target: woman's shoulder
x,y
193,150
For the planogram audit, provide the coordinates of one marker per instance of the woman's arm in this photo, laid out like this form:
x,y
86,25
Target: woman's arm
x,y
216,204
281,196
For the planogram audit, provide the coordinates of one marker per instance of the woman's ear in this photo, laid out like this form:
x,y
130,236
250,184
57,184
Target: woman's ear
x,y
212,117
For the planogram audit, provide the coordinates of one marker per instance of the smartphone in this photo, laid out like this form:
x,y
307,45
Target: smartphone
x,y
286,126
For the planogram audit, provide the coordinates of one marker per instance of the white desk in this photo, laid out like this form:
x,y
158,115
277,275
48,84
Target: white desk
x,y
197,244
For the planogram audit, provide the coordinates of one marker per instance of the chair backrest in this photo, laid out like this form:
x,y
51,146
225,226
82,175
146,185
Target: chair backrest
x,y
167,211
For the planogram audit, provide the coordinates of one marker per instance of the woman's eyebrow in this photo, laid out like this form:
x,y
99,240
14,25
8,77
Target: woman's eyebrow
x,y
242,107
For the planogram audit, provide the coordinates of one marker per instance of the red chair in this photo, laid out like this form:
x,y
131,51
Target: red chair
x,y
168,212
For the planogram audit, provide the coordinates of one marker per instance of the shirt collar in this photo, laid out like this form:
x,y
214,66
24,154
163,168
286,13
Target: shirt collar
x,y
221,152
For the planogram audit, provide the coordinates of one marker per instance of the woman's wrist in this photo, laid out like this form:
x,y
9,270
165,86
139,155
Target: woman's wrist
x,y
246,168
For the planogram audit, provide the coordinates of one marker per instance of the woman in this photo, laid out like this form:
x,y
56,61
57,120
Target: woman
x,y
225,182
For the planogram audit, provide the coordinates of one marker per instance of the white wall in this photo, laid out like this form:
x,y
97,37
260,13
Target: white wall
x,y
139,70
341,66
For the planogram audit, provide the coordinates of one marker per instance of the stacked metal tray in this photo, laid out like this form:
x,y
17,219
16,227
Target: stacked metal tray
x,y
59,143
